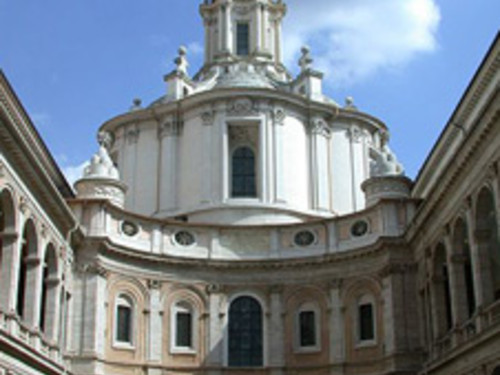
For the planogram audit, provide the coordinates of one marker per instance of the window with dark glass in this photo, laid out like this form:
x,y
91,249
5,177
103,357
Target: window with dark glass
x,y
245,333
124,324
366,326
307,326
242,39
243,173
183,337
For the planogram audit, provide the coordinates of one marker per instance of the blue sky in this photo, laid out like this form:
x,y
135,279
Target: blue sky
x,y
75,64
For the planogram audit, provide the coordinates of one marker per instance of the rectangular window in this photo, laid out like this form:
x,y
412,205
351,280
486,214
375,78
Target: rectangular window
x,y
366,328
242,39
124,324
183,330
307,323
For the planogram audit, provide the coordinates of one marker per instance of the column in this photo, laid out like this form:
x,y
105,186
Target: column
x,y
457,283
227,29
258,28
168,134
482,279
154,347
337,331
9,271
33,294
279,166
265,36
278,57
208,118
53,307
262,157
215,329
320,134
276,338
221,20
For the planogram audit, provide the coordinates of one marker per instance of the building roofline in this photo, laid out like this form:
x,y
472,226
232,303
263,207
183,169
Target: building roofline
x,y
458,107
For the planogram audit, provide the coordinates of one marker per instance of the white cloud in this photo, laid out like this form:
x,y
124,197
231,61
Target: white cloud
x,y
74,172
351,40
195,48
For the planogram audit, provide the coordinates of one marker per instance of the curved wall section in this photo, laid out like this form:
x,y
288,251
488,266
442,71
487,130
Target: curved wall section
x,y
308,162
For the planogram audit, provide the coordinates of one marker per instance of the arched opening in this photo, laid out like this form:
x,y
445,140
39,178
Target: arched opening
x,y
243,181
442,294
488,245
124,320
245,346
496,371
49,298
183,327
465,274
6,224
27,274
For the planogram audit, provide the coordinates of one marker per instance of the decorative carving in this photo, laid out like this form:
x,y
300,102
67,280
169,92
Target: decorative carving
x,y
354,134
154,284
181,60
23,204
305,60
208,117
244,135
170,127
242,107
43,230
242,10
279,115
320,127
132,136
384,163
213,288
105,139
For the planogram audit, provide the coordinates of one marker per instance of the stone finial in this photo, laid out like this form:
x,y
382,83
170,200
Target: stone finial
x,y
101,165
385,163
305,60
105,139
136,104
101,179
181,60
349,103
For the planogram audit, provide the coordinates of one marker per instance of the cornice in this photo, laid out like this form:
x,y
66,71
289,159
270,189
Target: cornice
x,y
383,246
26,150
454,170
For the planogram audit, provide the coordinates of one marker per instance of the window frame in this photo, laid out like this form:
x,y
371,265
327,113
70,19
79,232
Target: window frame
x,y
183,306
124,300
255,171
299,348
237,40
366,299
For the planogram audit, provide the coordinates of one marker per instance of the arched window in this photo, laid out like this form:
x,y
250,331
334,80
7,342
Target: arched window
x,y
442,293
465,275
488,244
243,173
50,283
124,320
26,278
366,319
7,225
245,346
2,230
183,327
307,328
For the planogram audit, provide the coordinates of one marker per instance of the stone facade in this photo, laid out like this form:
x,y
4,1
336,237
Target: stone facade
x,y
330,262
